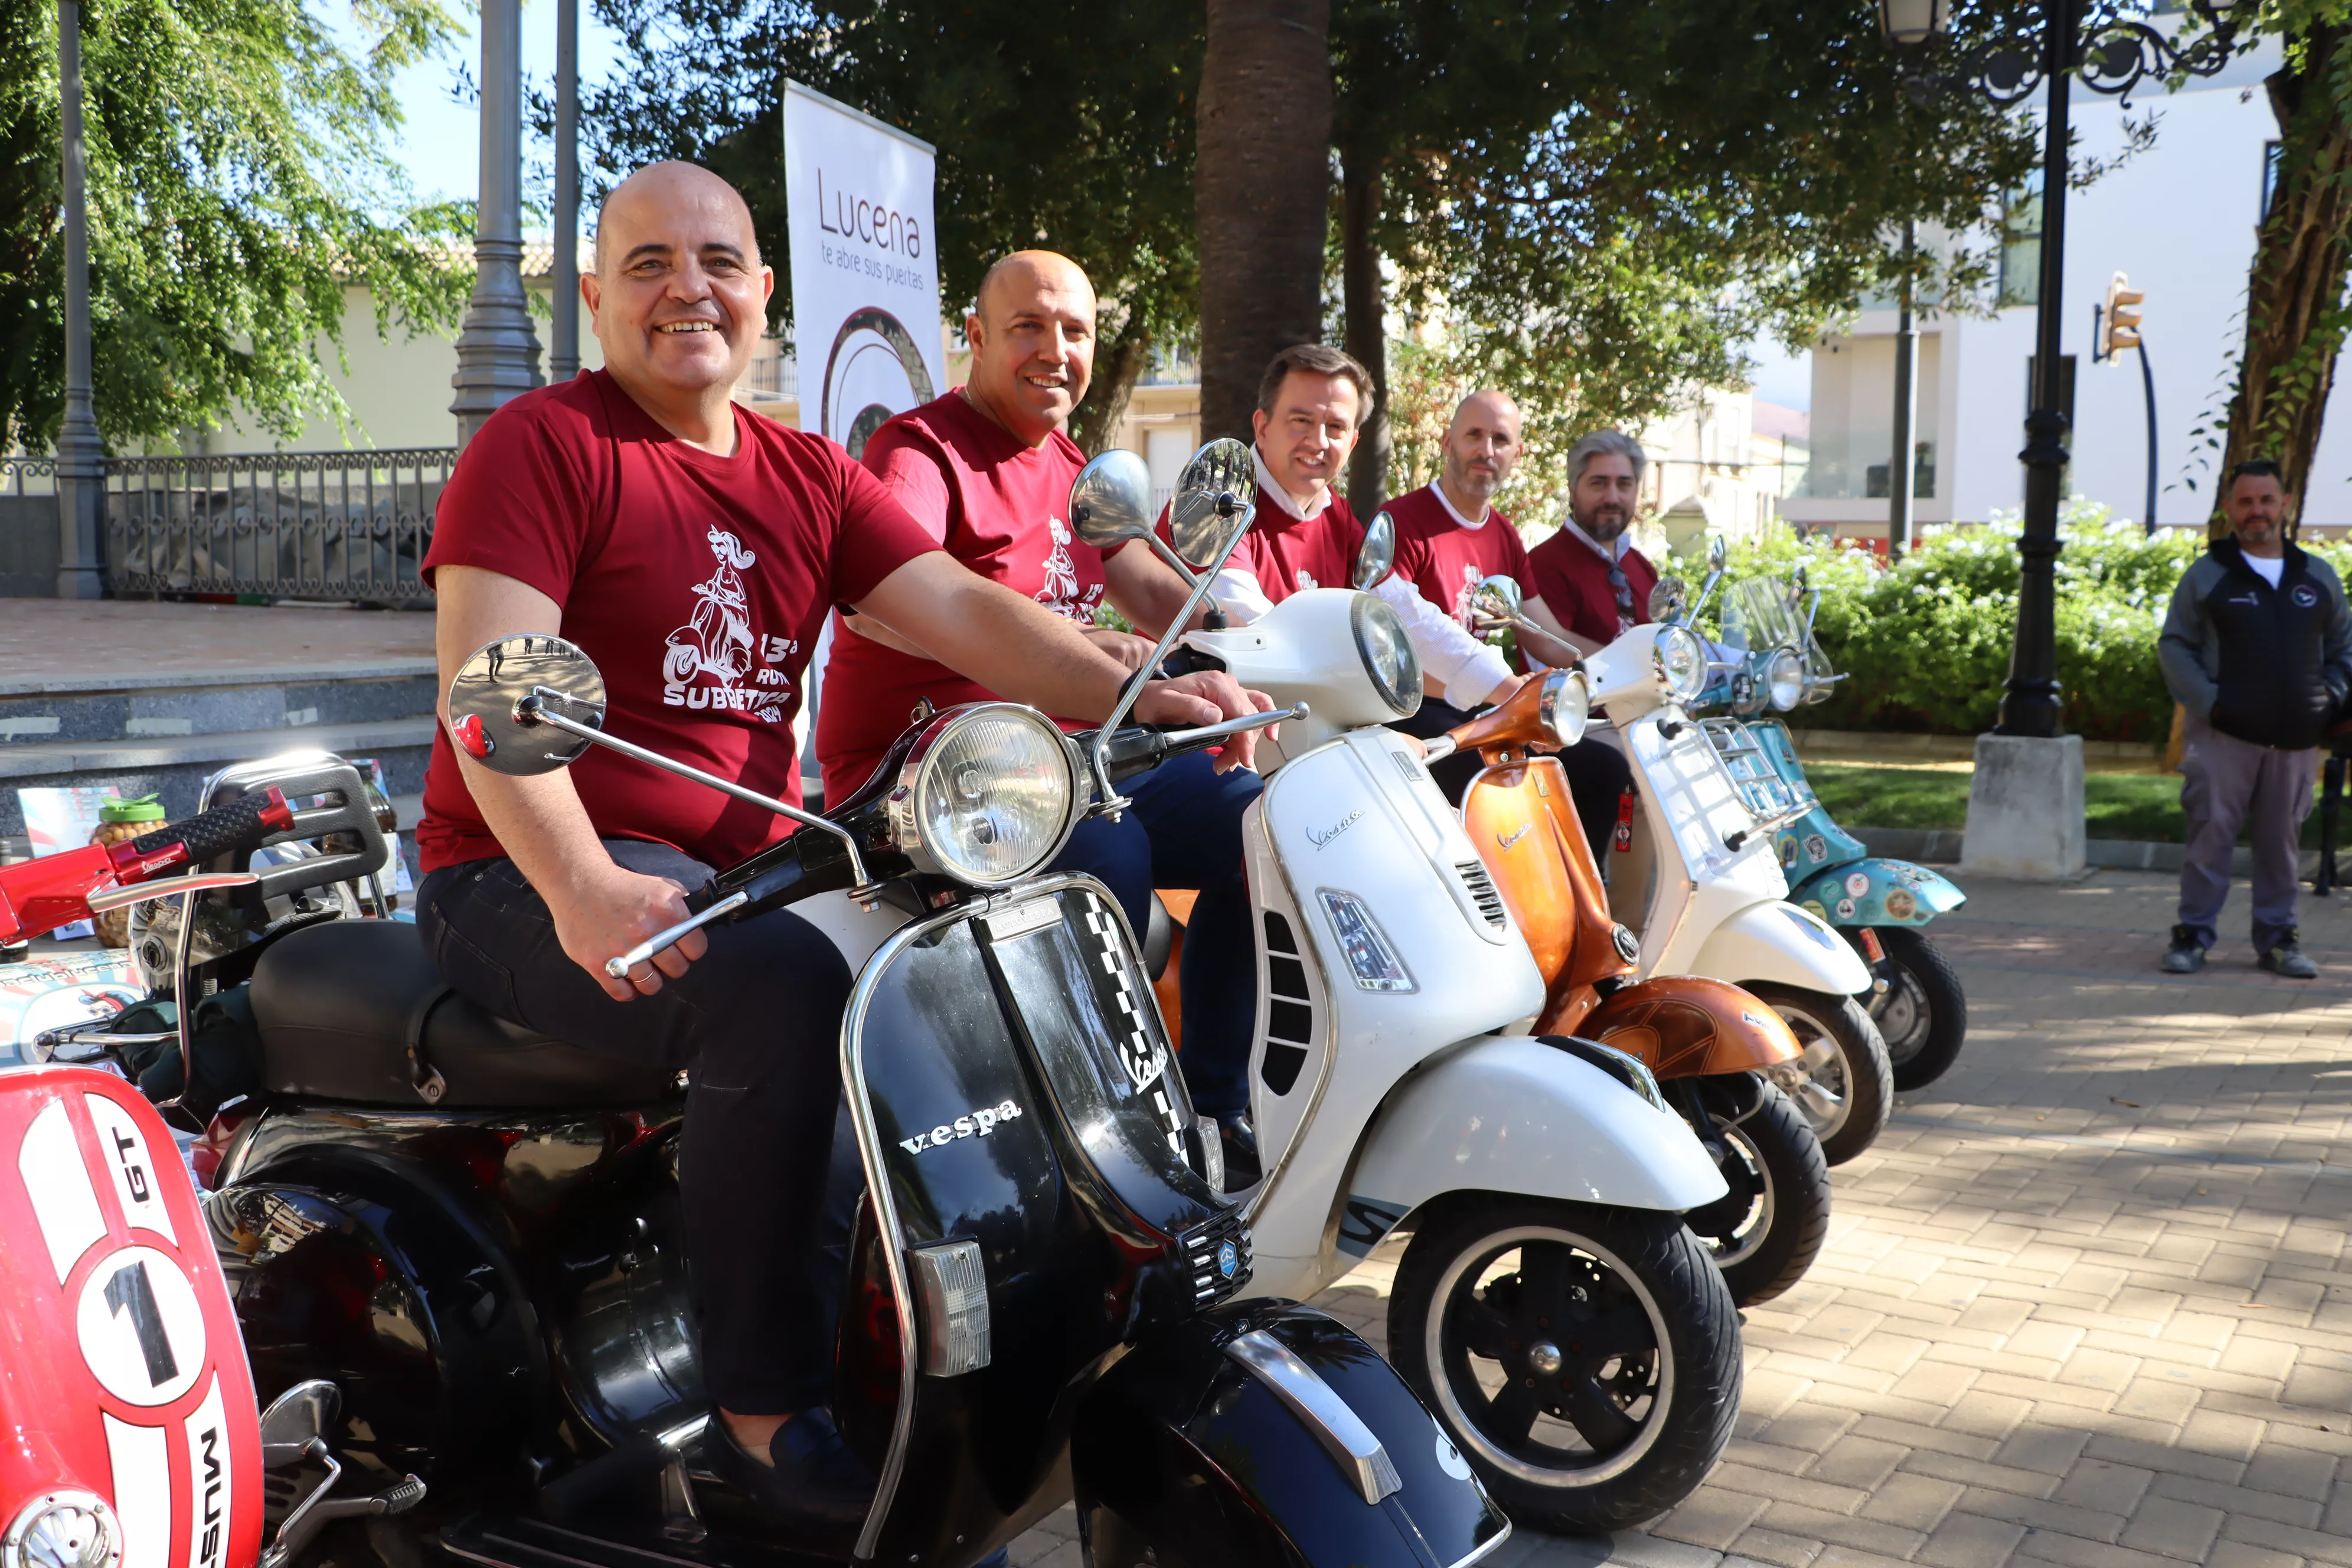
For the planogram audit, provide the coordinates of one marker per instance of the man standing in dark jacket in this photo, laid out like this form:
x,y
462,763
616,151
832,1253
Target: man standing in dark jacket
x,y
2258,648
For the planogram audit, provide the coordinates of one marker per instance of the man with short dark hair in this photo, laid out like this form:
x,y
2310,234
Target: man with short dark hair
x,y
2257,648
1590,576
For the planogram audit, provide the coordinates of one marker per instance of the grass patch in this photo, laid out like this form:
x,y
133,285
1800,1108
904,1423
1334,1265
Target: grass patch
x,y
2145,807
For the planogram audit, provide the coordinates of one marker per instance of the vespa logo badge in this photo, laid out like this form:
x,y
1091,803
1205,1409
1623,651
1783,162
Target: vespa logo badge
x,y
1508,839
980,1123
1328,834
1229,1257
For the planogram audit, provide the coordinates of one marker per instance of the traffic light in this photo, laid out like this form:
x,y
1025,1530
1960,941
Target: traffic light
x,y
2118,318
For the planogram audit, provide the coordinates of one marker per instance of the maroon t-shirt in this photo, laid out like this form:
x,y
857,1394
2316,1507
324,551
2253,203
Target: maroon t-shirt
x,y
1288,556
1573,580
1000,507
1444,560
696,583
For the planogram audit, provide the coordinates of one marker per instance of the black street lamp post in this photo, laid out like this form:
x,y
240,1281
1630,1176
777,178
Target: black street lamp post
x,y
2112,54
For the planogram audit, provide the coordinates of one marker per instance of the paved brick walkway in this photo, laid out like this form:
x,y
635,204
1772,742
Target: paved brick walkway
x,y
2087,1302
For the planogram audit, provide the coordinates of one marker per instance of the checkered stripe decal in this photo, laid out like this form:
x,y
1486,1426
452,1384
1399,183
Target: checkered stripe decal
x,y
1140,1047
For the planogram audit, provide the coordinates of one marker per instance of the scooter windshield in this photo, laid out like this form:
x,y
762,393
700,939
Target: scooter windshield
x,y
1089,1012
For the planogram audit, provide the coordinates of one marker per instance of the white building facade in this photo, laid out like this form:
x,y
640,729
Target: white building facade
x,y
2179,218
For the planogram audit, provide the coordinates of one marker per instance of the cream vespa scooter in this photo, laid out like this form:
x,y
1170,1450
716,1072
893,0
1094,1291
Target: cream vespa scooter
x,y
1695,877
1572,1337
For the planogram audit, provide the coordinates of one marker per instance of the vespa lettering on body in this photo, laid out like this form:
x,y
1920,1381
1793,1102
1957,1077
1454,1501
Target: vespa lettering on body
x,y
977,1124
1508,839
1337,828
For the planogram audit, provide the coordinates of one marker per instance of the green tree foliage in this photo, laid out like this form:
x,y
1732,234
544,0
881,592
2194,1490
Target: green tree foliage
x,y
1607,201
1058,122
236,183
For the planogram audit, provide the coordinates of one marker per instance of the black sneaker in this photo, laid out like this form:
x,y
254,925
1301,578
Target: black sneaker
x,y
1242,1169
2186,956
2286,958
816,1488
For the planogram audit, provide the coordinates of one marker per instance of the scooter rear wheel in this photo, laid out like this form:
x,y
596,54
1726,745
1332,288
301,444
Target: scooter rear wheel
x,y
1924,1016
1586,1360
1843,1082
1768,1229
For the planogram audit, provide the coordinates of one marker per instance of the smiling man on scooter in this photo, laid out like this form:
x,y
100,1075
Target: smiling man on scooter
x,y
986,471
615,509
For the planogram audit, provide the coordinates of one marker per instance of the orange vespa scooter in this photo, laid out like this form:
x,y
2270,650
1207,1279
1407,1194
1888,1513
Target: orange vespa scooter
x,y
1707,1042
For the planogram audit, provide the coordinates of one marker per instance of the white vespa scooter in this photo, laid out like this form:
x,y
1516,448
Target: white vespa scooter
x,y
1697,879
1573,1338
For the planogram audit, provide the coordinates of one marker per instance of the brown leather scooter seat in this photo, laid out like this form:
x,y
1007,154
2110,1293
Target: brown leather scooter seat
x,y
353,1012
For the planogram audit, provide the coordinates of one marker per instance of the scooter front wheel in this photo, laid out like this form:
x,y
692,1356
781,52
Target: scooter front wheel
x,y
1586,1360
1767,1231
1843,1082
1925,1014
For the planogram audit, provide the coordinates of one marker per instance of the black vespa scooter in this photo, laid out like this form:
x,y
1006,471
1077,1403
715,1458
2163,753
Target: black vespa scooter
x,y
472,1231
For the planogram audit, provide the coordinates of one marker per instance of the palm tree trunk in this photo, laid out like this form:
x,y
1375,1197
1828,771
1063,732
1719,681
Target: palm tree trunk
x,y
2296,317
1119,360
1261,190
1362,169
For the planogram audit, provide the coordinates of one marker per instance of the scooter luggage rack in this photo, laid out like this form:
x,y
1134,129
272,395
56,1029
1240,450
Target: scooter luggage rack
x,y
1766,796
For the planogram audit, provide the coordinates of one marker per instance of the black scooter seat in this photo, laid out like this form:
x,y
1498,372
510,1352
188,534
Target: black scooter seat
x,y
354,1011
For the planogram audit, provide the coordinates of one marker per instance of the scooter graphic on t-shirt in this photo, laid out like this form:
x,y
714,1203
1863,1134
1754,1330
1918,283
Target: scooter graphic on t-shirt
x,y
1061,593
1461,606
717,642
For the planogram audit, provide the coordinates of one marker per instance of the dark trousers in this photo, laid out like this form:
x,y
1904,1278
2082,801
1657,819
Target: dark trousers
x,y
1185,831
756,1023
2227,784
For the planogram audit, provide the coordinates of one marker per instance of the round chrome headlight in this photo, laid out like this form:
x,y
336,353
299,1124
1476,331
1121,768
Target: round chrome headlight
x,y
987,795
1784,680
1682,662
1387,654
1565,705
63,1529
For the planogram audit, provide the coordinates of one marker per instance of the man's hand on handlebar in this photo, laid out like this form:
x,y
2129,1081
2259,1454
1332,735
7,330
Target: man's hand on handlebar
x,y
1203,698
609,910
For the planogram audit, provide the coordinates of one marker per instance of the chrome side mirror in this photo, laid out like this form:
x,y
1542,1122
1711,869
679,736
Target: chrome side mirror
x,y
1497,598
1669,600
1216,497
296,1420
1717,553
1376,557
1110,500
488,721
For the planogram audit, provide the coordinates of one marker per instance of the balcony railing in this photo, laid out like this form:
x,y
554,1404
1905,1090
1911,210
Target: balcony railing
x,y
285,525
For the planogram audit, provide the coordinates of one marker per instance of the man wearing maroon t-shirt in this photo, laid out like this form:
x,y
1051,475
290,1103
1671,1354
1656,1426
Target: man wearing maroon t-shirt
x,y
986,470
1310,403
1593,581
693,551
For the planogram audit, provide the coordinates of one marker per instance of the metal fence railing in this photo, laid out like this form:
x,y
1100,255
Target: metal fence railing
x,y
303,525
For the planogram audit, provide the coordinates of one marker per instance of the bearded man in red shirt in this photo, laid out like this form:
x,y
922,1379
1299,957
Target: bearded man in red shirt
x,y
693,550
1593,581
986,471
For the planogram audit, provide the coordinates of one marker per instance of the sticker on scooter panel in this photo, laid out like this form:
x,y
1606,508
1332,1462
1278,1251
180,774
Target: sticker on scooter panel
x,y
1901,904
1845,909
1362,1223
49,1164
1787,847
1819,933
975,1124
208,1481
140,1328
133,1166
1815,907
1857,883
1817,848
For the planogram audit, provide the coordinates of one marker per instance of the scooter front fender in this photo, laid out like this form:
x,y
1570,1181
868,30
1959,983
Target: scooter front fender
x,y
1779,941
1519,1115
1269,1434
1878,892
1680,1025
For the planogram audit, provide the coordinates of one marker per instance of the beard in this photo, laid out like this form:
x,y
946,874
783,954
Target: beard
x,y
1603,524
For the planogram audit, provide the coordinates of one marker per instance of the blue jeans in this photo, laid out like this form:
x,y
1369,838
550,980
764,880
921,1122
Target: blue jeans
x,y
1185,831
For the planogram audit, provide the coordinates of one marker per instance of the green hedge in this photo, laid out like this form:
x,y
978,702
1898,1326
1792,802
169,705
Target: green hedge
x,y
1926,644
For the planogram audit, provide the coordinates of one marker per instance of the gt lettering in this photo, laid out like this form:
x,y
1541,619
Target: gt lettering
x,y
977,1123
134,1171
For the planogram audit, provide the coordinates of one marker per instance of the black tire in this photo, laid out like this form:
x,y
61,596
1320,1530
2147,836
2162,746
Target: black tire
x,y
1844,1084
1661,1391
1924,1017
1768,1229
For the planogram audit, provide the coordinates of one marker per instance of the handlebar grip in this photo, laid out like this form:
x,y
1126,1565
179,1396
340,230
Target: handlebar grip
x,y
702,898
239,826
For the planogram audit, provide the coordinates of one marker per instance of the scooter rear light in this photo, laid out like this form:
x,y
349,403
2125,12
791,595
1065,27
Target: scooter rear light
x,y
951,1289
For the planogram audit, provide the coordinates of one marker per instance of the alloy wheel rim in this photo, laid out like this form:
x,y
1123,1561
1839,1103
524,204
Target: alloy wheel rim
x,y
1816,1081
1740,1242
1901,1014
1542,1326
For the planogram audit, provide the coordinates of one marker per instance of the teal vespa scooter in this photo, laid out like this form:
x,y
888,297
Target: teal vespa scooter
x,y
1881,904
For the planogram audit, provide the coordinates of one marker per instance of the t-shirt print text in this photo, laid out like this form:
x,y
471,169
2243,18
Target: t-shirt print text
x,y
716,660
